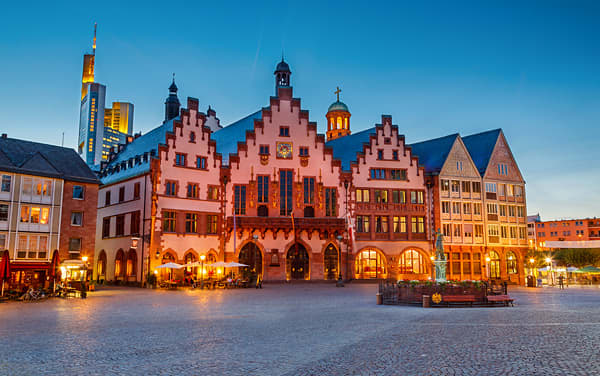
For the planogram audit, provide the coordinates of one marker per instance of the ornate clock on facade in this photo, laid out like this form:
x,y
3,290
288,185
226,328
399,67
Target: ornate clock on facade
x,y
284,150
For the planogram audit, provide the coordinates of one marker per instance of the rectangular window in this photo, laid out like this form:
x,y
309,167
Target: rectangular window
x,y
397,174
455,186
212,193
284,131
504,232
476,187
78,192
285,192
330,202
381,196
467,208
378,173
193,191
121,194
107,198
457,231
2,241
523,232
26,189
201,163
477,208
5,187
490,187
466,263
492,208
395,155
362,195
303,151
362,223
180,159
521,212
518,191
120,225
240,199
191,221
502,210
263,188
134,226
418,225
511,211
456,207
493,230
399,197
468,230
3,213
211,224
381,224
446,207
476,263
136,191
445,185
479,231
171,188
399,224
447,229
106,227
309,191
380,154
510,190
466,186
263,150
76,218
416,197
169,221
501,189
74,245
25,214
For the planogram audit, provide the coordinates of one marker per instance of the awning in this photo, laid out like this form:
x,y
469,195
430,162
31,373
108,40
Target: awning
x,y
29,265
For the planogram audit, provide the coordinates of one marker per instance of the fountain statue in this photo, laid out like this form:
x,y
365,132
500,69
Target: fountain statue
x,y
440,257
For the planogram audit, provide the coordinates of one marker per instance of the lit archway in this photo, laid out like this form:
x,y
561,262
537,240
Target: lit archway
x,y
494,265
131,263
370,264
297,262
251,256
120,264
330,262
412,262
511,263
101,264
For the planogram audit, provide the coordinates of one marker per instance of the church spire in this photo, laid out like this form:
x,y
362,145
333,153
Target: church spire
x,y
338,118
172,103
282,75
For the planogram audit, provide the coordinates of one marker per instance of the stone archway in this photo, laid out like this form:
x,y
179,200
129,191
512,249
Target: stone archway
x,y
251,256
330,262
297,262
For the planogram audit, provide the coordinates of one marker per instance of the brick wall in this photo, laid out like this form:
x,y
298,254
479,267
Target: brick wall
x,y
87,231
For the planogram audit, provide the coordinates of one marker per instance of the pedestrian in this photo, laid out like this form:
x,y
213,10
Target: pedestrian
x,y
561,285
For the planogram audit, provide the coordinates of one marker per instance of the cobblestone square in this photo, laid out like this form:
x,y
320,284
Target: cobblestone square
x,y
312,329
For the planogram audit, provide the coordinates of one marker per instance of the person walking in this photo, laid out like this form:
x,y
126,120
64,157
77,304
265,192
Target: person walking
x,y
561,285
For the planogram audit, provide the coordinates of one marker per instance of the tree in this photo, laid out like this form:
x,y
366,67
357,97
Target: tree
x,y
578,257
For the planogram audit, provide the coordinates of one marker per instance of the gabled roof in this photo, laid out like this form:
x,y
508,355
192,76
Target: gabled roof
x,y
345,148
228,137
34,158
143,144
433,153
480,147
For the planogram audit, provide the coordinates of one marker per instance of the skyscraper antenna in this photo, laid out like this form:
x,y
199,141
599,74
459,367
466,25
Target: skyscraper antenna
x,y
94,46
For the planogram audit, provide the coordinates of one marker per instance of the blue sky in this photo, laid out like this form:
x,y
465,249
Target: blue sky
x,y
531,68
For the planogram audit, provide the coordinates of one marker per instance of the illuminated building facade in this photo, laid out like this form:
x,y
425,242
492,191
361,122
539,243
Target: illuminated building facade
x,y
100,127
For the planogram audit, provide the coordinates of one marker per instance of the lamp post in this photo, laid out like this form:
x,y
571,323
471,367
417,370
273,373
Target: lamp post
x,y
531,262
432,258
202,257
550,277
487,266
339,282
83,276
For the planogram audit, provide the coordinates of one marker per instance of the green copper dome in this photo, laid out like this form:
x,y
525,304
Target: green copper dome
x,y
338,106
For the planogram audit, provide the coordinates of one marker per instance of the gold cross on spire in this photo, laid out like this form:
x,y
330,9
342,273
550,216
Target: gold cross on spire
x,y
337,92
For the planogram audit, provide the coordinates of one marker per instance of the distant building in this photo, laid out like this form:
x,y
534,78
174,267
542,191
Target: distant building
x,y
567,230
48,199
100,127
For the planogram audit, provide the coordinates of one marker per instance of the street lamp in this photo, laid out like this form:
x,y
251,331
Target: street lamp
x,y
432,258
550,277
339,283
83,276
531,262
487,266
202,257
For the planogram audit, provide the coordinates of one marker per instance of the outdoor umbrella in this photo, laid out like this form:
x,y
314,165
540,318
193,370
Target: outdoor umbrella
x,y
170,265
234,264
54,268
589,269
4,269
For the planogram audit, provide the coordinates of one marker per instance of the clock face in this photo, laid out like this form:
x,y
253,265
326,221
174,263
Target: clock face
x,y
284,150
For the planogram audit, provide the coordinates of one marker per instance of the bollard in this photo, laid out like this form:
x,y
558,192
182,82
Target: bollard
x,y
379,298
426,301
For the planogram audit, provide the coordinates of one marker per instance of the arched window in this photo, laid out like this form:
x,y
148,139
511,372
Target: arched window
x,y
511,262
131,263
339,123
119,264
370,264
345,123
189,258
330,262
101,264
494,265
411,262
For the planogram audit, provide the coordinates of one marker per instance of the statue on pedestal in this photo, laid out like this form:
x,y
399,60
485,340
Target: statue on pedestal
x,y
440,257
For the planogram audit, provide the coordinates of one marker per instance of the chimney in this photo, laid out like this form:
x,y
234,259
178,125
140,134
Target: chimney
x,y
137,135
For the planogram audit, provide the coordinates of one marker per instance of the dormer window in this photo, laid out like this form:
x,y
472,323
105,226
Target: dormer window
x,y
180,159
263,150
192,137
284,131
